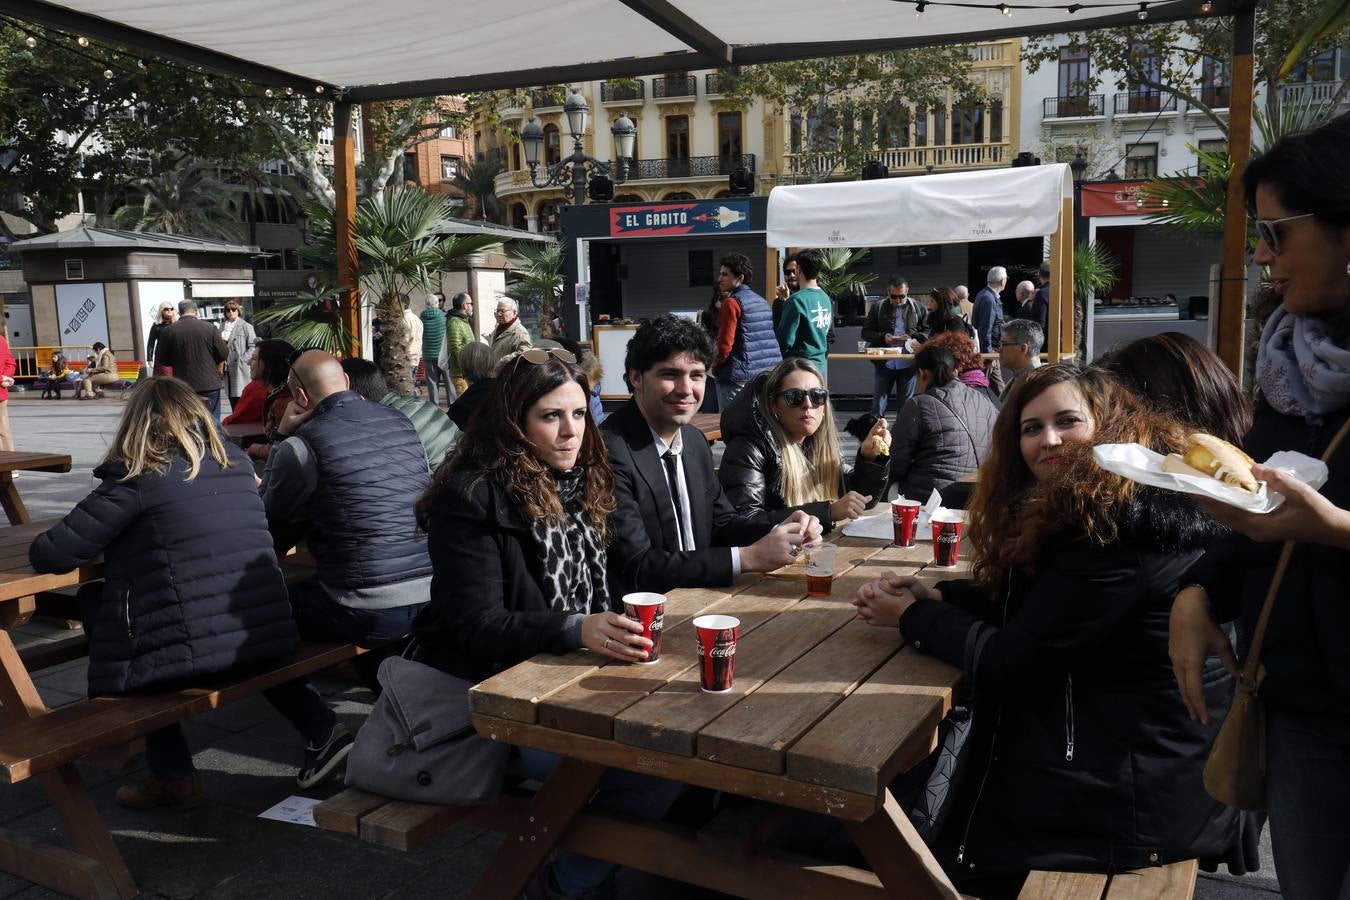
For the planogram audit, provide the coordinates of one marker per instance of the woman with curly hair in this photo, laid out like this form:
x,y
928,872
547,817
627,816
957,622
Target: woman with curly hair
x,y
517,523
969,365
1087,759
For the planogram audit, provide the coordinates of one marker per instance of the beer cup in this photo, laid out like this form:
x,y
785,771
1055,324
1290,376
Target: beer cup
x,y
947,528
905,518
717,651
820,568
649,610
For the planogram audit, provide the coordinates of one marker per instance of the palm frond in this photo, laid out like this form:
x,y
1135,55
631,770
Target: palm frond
x,y
309,320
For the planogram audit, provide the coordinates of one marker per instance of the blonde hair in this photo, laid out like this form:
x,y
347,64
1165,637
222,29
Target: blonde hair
x,y
164,415
810,471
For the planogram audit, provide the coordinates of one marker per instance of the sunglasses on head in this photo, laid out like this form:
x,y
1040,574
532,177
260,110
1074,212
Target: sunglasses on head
x,y
794,397
537,356
1268,231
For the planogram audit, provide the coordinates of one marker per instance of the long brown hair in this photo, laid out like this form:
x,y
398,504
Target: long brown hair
x,y
1014,517
495,446
163,416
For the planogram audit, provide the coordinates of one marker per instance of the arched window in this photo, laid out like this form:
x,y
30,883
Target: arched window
x,y
679,195
552,145
518,216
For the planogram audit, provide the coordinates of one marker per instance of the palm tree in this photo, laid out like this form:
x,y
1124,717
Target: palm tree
x,y
837,277
187,199
542,285
478,183
401,248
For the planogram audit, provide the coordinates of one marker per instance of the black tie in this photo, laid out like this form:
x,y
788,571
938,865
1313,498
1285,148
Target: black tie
x,y
673,475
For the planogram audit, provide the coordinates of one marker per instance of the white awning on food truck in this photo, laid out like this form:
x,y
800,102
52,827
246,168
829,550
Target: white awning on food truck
x,y
956,207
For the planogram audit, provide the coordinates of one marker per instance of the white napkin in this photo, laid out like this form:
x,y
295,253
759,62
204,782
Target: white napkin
x,y
878,525
1140,464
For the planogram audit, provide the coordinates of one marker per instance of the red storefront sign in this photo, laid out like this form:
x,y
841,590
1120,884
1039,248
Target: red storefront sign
x,y
1116,198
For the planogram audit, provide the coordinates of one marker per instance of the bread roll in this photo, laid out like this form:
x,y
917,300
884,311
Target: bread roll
x,y
1214,457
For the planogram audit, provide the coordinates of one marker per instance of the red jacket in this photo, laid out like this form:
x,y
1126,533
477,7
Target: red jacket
x,y
7,367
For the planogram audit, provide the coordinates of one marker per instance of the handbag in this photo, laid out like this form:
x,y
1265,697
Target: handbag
x,y
419,743
933,801
1235,773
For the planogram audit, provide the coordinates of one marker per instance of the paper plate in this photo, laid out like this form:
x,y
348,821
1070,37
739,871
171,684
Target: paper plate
x,y
1142,465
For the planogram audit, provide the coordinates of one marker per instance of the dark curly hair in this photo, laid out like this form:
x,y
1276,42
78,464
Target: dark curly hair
x,y
662,338
495,446
960,345
738,264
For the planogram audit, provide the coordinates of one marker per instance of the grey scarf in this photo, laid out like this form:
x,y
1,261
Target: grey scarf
x,y
573,554
1301,371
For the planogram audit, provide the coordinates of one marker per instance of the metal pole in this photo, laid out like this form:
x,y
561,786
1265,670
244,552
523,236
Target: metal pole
x,y
578,173
1232,311
344,222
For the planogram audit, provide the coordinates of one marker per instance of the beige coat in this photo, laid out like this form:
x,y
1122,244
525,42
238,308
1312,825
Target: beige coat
x,y
512,339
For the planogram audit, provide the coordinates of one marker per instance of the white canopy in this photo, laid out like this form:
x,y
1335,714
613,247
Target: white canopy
x,y
926,209
402,48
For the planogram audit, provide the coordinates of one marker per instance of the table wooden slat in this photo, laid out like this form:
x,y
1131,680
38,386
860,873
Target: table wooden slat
x,y
1175,880
879,730
19,461
589,705
1062,886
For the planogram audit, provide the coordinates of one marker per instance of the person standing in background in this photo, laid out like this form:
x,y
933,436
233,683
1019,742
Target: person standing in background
x,y
746,343
195,351
240,339
152,342
414,326
786,289
433,336
803,327
458,335
893,322
7,367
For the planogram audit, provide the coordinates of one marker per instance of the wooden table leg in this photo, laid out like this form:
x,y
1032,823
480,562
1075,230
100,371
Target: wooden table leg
x,y
899,857
11,501
96,870
564,794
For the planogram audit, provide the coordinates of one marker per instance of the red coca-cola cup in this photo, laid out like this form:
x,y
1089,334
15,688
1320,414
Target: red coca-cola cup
x,y
905,518
649,610
947,528
717,651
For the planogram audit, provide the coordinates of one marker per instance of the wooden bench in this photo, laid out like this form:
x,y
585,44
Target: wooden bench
x,y
44,742
128,373
1170,882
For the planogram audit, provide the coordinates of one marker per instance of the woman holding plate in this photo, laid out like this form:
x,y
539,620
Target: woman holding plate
x,y
1300,197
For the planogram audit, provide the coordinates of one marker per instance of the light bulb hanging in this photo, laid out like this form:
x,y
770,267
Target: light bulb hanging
x,y
1143,12
108,74
1005,9
1206,6
30,41
919,8
82,41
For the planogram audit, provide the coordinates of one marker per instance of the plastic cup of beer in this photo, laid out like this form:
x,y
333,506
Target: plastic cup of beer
x,y
820,568
650,611
717,636
948,526
862,346
905,518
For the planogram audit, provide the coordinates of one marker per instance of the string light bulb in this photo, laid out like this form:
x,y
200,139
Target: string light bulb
x,y
290,91
318,89
1143,12
206,83
108,74
1005,9
1074,7
919,7
1206,6
239,104
82,41
31,42
140,64
268,93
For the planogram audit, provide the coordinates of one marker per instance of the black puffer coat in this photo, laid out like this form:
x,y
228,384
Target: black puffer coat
x,y
752,461
931,448
191,585
1089,759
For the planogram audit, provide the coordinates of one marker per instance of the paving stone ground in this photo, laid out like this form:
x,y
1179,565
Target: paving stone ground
x,y
248,756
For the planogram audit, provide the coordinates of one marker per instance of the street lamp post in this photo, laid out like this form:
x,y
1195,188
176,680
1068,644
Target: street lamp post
x,y
1080,223
572,172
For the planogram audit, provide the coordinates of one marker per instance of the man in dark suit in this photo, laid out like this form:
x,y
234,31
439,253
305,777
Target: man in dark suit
x,y
674,525
196,352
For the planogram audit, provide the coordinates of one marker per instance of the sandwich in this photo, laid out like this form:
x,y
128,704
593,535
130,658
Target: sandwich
x,y
881,443
1212,457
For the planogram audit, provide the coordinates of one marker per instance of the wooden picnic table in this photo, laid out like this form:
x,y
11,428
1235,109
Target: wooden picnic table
x,y
241,432
823,713
710,424
12,461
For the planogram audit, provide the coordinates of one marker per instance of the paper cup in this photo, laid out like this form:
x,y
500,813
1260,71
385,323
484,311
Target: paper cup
x,y
948,526
905,518
650,610
717,636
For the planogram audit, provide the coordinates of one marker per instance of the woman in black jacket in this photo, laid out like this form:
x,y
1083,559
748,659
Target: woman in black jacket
x,y
1088,759
783,450
943,432
191,585
1301,199
517,523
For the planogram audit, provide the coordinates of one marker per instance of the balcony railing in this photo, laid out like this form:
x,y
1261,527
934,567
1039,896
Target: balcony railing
x,y
1145,102
688,166
1215,96
1309,90
674,86
717,83
542,98
1077,105
907,160
617,93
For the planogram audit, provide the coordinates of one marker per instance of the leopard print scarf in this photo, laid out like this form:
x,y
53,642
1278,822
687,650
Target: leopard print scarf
x,y
573,554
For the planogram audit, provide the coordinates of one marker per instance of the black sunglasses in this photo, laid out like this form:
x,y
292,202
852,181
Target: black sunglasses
x,y
794,397
1269,230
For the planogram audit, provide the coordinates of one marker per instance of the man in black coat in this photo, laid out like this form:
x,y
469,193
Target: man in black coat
x,y
194,350
674,525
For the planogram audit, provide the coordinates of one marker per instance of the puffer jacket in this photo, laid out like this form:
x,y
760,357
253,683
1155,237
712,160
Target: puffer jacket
x,y
1086,758
191,584
932,447
436,429
752,462
755,346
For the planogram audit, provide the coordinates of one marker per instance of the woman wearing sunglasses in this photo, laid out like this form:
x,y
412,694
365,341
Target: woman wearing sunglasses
x,y
1299,192
783,450
943,432
518,522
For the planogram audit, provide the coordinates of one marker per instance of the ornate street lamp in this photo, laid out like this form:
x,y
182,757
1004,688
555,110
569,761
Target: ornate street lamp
x,y
572,172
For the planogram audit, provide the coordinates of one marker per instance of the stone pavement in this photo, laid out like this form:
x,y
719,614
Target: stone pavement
x,y
248,756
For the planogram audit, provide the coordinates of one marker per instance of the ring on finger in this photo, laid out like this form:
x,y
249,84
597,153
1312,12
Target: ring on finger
x,y
605,645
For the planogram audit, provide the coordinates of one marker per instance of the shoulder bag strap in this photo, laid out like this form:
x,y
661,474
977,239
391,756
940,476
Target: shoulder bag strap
x,y
973,446
1252,665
